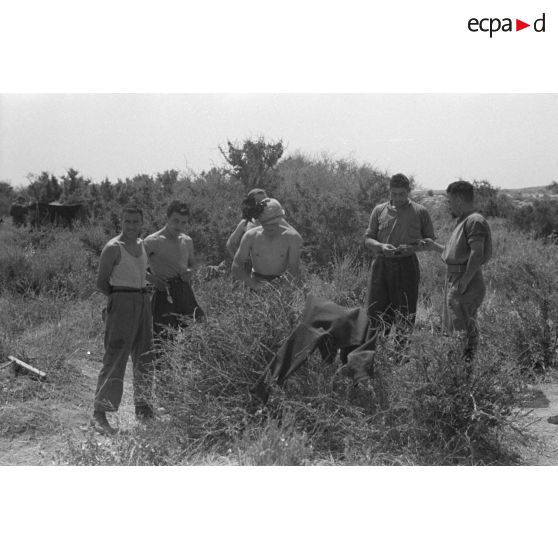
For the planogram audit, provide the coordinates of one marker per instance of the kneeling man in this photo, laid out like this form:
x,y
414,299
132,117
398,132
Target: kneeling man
x,y
273,248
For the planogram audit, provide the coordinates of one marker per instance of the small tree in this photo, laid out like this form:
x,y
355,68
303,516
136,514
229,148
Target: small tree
x,y
253,163
168,179
74,186
43,188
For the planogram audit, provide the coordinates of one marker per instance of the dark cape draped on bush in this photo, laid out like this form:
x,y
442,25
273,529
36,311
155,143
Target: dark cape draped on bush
x,y
328,327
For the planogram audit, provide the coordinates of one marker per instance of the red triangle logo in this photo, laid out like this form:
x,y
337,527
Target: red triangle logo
x,y
519,25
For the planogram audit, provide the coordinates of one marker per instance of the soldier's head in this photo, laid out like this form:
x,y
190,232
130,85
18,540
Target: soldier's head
x,y
272,215
177,217
460,197
399,189
131,220
258,194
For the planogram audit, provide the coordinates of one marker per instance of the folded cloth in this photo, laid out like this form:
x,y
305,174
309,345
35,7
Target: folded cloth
x,y
328,327
170,308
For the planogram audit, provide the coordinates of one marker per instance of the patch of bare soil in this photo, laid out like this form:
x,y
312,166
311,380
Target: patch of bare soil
x,y
66,418
544,404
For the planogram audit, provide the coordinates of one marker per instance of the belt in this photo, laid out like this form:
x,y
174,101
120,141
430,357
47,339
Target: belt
x,y
456,268
395,257
176,279
264,277
128,290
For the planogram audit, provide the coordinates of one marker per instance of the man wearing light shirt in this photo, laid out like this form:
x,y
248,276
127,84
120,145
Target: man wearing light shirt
x,y
396,231
467,250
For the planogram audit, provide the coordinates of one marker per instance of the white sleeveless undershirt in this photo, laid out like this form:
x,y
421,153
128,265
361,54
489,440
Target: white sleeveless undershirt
x,y
130,271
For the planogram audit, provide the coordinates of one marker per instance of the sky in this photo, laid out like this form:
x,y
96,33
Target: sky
x,y
509,139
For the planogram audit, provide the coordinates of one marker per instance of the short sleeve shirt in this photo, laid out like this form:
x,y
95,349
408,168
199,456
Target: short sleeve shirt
x,y
405,225
473,227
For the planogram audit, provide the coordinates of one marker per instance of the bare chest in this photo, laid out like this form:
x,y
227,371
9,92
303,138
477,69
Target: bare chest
x,y
270,247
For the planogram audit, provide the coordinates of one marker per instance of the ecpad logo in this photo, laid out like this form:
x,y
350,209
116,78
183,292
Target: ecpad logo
x,y
492,25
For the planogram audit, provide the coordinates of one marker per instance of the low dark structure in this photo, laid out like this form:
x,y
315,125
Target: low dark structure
x,y
18,213
43,214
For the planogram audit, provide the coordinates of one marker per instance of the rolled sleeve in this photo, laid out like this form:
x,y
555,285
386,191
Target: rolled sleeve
x,y
427,228
476,230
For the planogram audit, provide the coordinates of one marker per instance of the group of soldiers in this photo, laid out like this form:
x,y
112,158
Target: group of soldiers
x,y
265,248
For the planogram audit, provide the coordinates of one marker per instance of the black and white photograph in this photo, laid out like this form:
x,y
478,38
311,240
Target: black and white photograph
x,y
278,278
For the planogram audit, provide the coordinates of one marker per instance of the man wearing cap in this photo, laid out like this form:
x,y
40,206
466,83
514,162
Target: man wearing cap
x,y
233,242
396,231
272,247
467,250
253,197
122,278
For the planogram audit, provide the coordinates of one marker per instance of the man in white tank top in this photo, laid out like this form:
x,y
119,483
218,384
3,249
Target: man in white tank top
x,y
122,278
171,258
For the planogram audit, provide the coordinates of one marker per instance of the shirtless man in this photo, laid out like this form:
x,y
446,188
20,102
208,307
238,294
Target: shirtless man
x,y
171,257
248,223
272,247
122,278
255,196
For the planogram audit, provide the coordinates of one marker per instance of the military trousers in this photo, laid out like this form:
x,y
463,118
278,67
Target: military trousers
x,y
393,293
460,309
128,332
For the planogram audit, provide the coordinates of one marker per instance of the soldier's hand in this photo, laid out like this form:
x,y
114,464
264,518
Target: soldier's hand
x,y
214,271
431,244
160,284
388,249
427,244
405,250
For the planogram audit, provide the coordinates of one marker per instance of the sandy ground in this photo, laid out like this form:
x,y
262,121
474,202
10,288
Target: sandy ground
x,y
74,418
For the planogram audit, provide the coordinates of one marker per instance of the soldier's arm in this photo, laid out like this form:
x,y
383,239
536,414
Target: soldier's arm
x,y
242,257
371,242
233,242
110,256
430,244
427,233
293,263
476,233
186,276
474,263
150,246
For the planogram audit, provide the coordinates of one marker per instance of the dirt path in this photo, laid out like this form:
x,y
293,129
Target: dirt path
x,y
545,404
72,418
